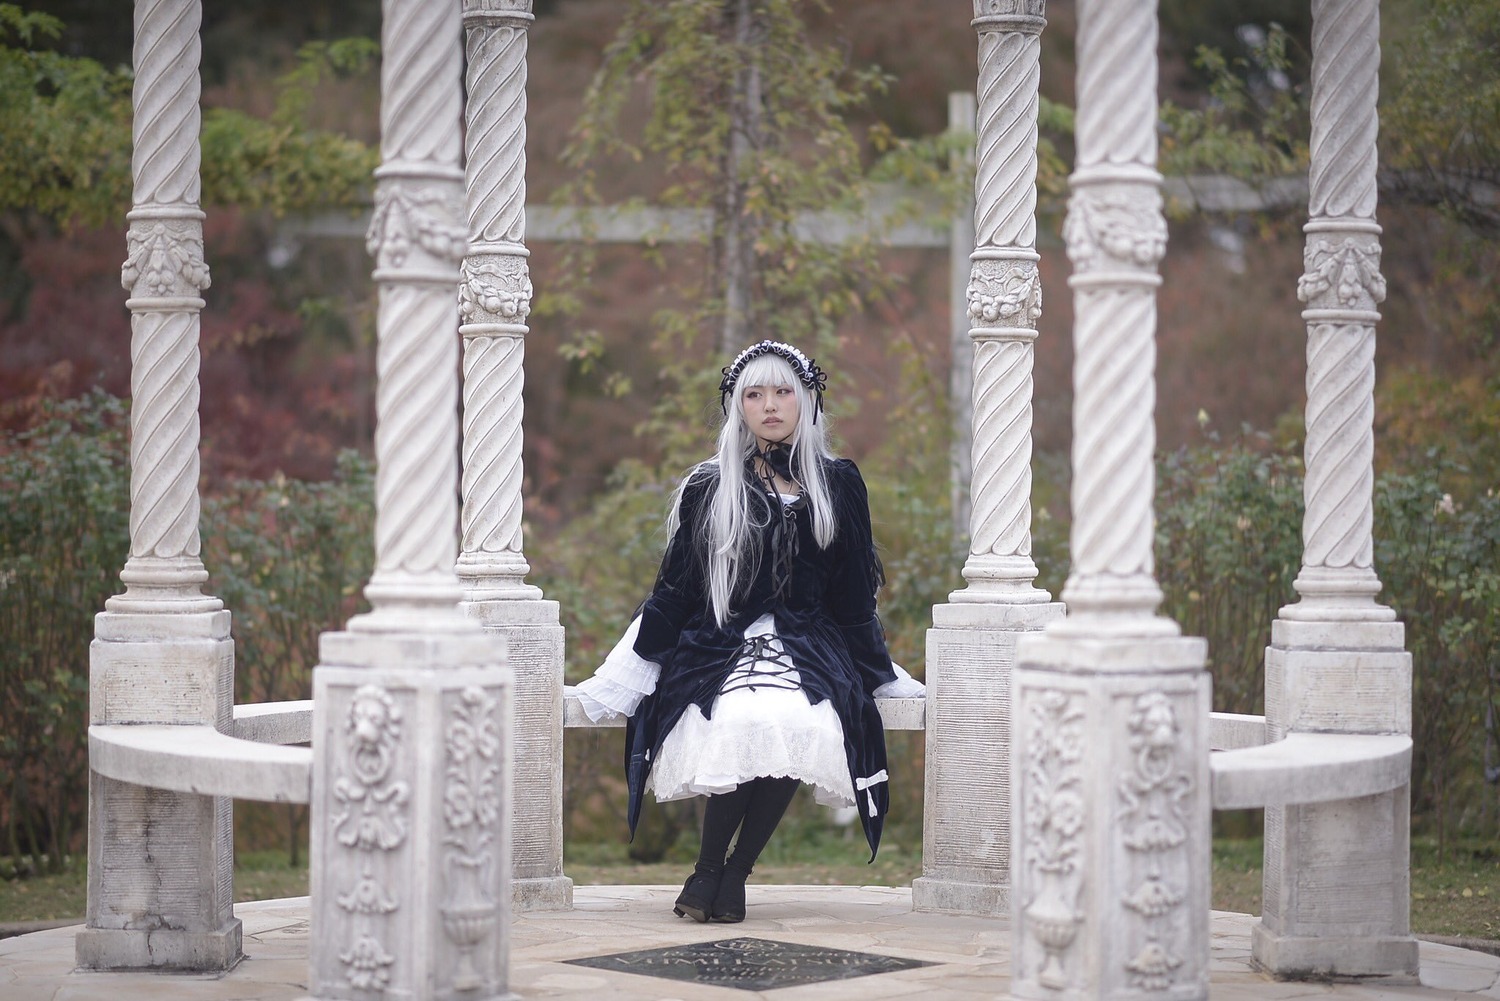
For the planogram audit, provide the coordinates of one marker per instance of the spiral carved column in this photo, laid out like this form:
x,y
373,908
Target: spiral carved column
x,y
971,647
1112,704
411,800
1337,661
165,275
417,240
1342,288
494,302
162,652
1005,302
495,299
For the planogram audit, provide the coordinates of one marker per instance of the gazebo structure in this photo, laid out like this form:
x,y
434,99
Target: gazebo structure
x,y
435,773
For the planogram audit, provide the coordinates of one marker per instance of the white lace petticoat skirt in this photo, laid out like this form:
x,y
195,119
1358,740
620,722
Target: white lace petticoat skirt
x,y
761,724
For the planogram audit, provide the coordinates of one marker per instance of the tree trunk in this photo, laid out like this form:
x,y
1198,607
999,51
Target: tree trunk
x,y
737,229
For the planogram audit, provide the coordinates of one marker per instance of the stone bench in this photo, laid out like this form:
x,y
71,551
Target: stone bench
x,y
254,762
251,763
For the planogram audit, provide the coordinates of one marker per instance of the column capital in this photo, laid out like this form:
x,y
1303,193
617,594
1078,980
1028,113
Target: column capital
x,y
1115,223
1342,265
164,257
415,231
1004,293
494,290
512,13
1028,16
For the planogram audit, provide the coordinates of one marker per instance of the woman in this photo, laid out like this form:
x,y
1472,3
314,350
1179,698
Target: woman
x,y
753,665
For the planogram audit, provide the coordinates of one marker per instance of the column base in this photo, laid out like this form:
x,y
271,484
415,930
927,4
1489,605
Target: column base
x,y
944,895
547,893
1388,959
160,949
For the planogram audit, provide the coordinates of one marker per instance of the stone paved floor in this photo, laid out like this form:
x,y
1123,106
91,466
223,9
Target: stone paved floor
x,y
971,955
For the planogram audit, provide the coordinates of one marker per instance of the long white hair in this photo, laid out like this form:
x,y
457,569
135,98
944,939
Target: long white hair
x,y
732,514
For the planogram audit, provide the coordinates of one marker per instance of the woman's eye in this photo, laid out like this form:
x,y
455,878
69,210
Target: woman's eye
x,y
784,391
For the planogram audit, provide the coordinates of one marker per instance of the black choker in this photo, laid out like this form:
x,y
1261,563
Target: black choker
x,y
779,459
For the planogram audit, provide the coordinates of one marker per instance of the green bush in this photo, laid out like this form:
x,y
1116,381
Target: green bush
x,y
1228,546
288,559
64,535
1439,558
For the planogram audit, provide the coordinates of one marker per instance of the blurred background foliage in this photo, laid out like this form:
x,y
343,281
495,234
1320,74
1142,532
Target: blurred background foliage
x,y
623,358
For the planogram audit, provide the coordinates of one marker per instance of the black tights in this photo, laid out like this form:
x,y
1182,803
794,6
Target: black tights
x,y
753,808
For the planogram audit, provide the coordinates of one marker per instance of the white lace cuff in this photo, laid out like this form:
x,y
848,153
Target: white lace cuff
x,y
904,687
620,683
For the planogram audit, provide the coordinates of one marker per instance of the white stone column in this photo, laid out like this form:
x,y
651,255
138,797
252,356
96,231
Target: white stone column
x,y
412,721
1110,782
494,300
1337,880
161,864
971,648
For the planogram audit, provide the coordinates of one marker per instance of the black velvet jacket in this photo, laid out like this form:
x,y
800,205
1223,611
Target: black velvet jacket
x,y
823,602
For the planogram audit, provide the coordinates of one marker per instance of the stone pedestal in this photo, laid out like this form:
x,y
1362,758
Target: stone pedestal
x,y
1111,820
411,868
534,643
1337,890
966,847
161,864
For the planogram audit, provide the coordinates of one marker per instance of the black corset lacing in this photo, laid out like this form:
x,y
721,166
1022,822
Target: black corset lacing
x,y
785,545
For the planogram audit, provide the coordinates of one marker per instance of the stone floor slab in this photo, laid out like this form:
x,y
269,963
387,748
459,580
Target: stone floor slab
x,y
969,956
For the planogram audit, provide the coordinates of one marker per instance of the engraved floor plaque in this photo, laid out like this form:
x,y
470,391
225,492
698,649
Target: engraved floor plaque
x,y
752,964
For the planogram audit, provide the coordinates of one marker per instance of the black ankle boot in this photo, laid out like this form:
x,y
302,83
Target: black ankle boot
x,y
696,900
729,904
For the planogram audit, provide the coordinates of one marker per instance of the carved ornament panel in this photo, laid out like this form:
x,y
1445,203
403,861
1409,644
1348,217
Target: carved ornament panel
x,y
495,289
370,818
1342,273
1154,801
1004,294
1009,8
412,217
165,258
1055,812
473,755
1116,229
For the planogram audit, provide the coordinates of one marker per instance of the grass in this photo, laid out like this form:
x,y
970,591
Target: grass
x,y
1456,894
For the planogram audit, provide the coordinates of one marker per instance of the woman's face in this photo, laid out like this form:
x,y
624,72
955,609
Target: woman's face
x,y
770,411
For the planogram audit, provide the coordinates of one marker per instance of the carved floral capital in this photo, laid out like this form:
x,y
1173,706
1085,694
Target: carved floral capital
x,y
497,6
1009,8
165,258
1005,294
414,217
1115,229
495,289
1342,273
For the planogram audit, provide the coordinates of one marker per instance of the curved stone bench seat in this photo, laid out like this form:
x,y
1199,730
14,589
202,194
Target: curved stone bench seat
x,y
1232,731
275,722
201,760
897,714
1310,768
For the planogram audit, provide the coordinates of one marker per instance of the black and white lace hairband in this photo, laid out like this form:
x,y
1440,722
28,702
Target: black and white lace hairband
x,y
813,377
